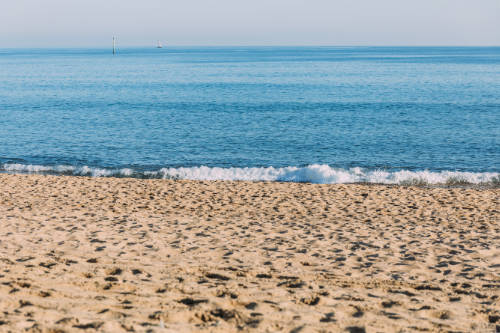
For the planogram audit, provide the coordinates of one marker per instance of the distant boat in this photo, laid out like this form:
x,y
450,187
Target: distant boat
x,y
159,46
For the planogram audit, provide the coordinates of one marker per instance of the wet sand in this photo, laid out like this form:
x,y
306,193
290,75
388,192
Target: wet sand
x,y
83,254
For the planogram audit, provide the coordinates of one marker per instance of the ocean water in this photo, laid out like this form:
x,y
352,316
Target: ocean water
x,y
304,114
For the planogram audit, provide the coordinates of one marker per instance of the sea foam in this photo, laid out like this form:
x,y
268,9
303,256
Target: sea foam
x,y
316,173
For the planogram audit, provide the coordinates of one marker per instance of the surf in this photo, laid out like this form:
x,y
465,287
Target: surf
x,y
315,173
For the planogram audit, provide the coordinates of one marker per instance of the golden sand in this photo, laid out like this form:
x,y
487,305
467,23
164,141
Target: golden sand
x,y
82,254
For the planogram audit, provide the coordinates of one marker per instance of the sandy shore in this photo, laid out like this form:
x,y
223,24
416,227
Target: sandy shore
x,y
81,254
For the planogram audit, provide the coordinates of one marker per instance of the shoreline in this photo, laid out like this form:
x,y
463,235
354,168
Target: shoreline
x,y
121,254
479,186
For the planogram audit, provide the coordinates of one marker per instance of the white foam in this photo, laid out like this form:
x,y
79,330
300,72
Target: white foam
x,y
35,168
324,174
66,169
316,173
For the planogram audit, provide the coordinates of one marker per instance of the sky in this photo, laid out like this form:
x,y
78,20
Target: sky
x,y
85,23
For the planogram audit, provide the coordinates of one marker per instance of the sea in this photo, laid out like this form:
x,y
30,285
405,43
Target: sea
x,y
392,115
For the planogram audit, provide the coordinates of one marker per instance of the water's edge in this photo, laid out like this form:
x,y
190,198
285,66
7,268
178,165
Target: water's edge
x,y
317,174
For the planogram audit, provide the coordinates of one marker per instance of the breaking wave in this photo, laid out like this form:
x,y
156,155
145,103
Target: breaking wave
x,y
319,174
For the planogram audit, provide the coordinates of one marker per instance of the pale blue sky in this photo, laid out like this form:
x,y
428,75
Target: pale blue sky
x,y
67,23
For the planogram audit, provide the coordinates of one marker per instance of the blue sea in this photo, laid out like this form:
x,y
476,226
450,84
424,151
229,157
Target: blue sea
x,y
301,114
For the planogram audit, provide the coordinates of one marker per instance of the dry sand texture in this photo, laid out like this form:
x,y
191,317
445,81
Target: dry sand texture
x,y
80,254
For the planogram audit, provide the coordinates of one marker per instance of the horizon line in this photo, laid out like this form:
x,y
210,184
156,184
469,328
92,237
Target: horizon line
x,y
166,46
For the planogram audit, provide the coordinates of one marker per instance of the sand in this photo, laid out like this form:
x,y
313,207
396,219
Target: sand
x,y
83,254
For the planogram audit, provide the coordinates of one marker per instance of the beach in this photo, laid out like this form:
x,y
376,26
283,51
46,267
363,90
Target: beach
x,y
120,254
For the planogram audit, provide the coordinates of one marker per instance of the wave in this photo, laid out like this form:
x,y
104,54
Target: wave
x,y
65,170
316,173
